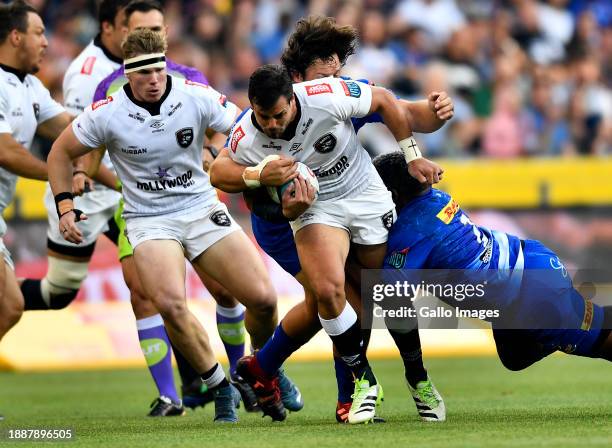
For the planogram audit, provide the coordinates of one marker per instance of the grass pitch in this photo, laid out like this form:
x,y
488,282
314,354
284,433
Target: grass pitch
x,y
562,401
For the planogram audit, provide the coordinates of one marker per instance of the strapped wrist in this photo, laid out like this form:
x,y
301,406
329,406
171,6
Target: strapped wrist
x,y
63,203
251,175
410,149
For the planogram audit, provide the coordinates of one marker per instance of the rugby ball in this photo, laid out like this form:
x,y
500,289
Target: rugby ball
x,y
276,193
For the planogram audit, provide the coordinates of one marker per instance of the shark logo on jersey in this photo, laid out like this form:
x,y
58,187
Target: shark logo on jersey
x,y
184,137
220,218
387,219
325,144
36,107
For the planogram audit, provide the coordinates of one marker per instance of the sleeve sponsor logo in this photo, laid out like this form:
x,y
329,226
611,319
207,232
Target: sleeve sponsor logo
x,y
236,137
317,89
88,65
100,103
447,214
351,88
223,100
36,108
195,83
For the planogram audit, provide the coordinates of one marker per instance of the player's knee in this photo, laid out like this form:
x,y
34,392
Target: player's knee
x,y
328,291
11,311
62,283
172,309
262,299
221,295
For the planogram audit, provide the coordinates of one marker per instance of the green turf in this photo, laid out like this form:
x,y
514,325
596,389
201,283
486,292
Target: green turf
x,y
560,402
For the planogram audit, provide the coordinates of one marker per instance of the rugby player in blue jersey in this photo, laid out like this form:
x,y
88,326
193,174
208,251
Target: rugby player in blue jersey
x,y
319,48
538,310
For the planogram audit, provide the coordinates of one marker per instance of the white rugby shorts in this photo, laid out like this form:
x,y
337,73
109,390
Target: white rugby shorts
x,y
196,231
367,216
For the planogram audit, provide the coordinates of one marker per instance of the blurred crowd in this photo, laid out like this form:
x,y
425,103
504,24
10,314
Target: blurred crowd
x,y
528,77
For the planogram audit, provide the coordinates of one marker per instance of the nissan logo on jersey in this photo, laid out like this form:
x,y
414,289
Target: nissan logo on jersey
x,y
184,137
325,144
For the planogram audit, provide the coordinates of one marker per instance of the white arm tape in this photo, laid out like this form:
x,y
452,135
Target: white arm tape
x,y
251,174
410,149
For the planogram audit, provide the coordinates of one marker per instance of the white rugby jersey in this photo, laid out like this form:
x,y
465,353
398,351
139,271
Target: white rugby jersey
x,y
24,104
84,74
324,139
157,148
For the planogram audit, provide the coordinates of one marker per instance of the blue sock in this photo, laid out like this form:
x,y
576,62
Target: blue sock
x,y
278,348
344,378
230,325
158,354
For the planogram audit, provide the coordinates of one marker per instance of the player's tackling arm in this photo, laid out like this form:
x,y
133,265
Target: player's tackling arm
x,y
229,176
390,109
429,115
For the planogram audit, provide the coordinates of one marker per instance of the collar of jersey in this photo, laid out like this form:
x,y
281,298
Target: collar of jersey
x,y
290,131
18,73
98,43
153,108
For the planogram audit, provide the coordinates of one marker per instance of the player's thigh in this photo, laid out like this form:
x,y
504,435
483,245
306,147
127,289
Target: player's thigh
x,y
234,262
160,266
322,250
370,256
221,295
11,299
276,239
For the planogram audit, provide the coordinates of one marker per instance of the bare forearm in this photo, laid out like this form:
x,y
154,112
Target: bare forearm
x,y
106,177
226,175
20,161
60,170
421,117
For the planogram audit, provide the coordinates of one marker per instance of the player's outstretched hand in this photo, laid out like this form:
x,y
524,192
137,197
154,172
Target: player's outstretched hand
x,y
297,198
81,183
68,227
442,105
425,170
278,172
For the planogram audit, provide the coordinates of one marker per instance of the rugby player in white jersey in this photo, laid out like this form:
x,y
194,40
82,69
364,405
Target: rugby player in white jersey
x,y
26,108
311,122
171,209
67,262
